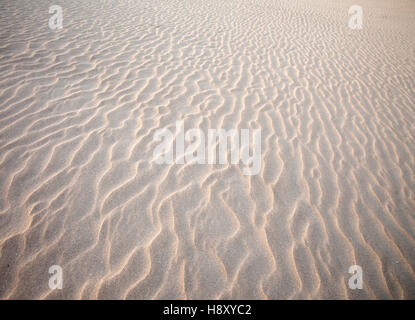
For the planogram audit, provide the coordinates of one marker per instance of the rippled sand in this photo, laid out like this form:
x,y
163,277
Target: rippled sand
x,y
78,187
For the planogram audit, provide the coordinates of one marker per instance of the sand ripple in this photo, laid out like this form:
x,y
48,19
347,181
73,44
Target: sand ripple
x,y
79,108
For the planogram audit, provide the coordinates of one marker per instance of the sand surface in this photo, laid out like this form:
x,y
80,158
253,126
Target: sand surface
x,y
79,108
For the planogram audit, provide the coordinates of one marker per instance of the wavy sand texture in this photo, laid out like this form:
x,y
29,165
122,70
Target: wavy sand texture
x,y
79,108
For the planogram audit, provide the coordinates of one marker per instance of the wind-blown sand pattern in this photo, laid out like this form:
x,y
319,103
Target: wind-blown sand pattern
x,y
78,187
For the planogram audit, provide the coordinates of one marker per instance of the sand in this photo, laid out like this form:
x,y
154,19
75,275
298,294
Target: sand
x,y
79,108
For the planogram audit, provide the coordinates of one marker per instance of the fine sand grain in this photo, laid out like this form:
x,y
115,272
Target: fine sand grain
x,y
79,108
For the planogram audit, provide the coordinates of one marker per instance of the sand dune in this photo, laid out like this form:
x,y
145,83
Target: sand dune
x,y
79,108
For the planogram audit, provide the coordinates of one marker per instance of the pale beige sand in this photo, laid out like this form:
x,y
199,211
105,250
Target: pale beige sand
x,y
79,107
